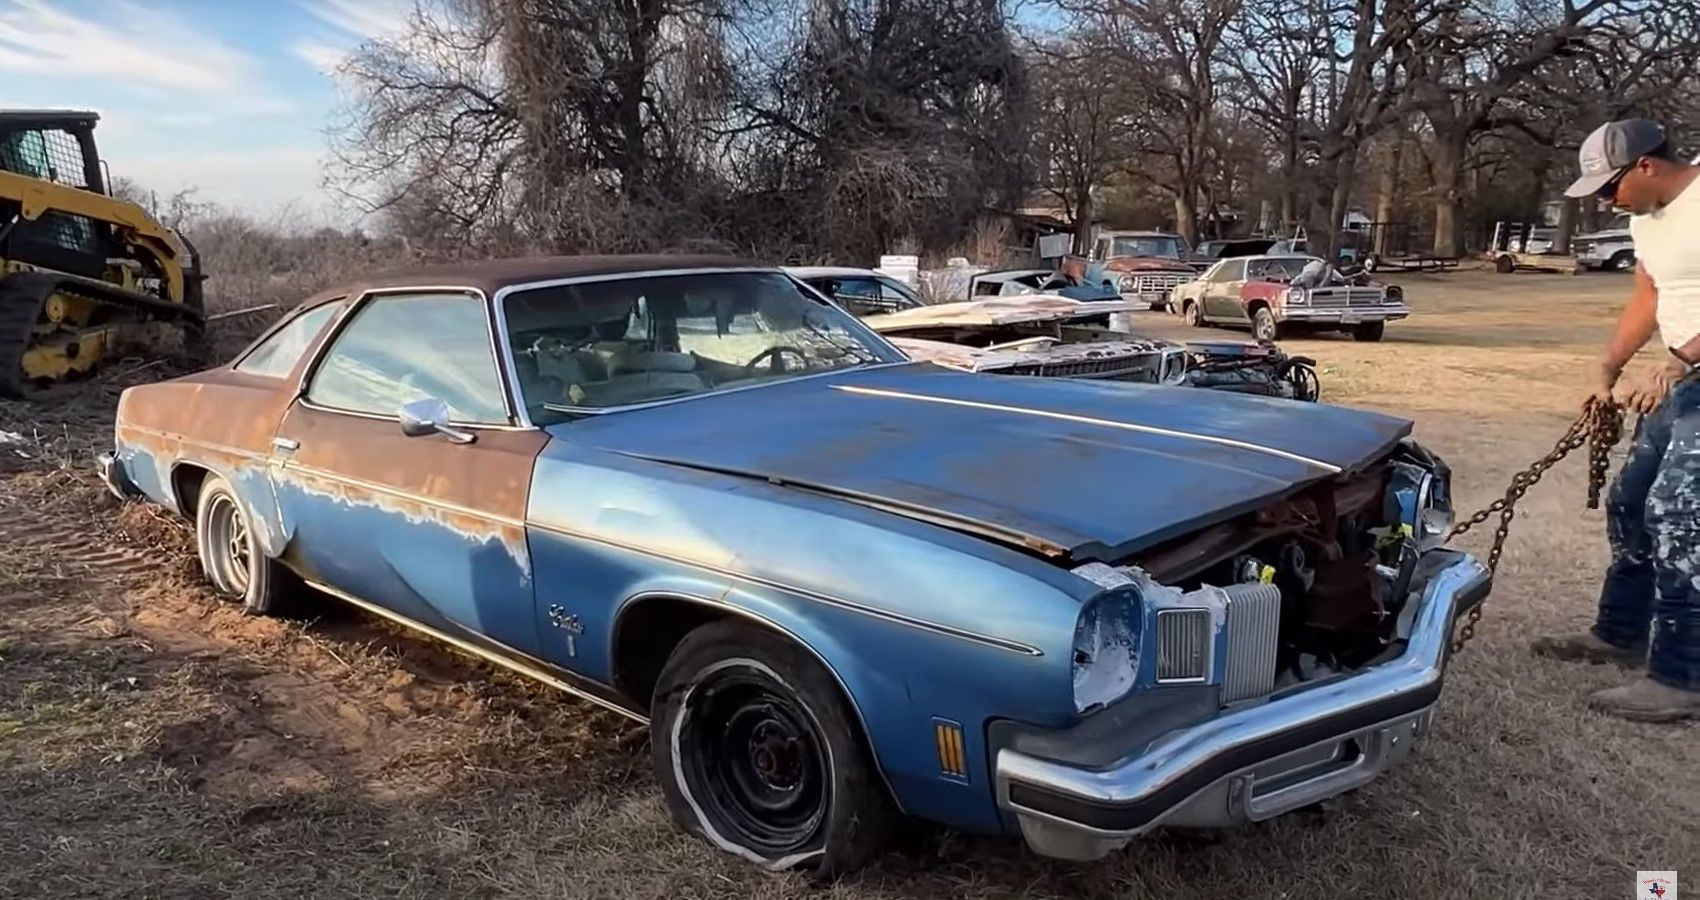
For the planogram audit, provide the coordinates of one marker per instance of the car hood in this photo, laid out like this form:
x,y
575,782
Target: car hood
x,y
1019,309
1064,467
1146,264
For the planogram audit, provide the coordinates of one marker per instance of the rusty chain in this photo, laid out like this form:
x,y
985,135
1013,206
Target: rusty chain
x,y
1599,426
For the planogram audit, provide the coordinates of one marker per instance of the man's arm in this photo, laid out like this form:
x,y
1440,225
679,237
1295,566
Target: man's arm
x,y
1637,322
1634,326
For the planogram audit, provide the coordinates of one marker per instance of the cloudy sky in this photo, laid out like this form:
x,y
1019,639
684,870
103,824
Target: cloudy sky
x,y
228,96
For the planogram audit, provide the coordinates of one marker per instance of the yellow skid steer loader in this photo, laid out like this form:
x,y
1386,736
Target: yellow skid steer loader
x,y
81,273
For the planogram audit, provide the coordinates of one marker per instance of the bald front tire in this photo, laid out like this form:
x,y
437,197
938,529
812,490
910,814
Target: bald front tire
x,y
721,679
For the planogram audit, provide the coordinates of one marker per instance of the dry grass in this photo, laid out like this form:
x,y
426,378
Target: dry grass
x,y
155,743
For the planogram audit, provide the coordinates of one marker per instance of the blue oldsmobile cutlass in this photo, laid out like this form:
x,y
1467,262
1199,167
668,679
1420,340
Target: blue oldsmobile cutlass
x,y
839,585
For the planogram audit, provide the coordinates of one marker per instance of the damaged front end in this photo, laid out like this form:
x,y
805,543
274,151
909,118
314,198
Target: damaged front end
x,y
1250,668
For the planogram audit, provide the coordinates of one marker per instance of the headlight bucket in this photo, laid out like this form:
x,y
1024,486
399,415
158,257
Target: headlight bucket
x,y
1419,497
1105,657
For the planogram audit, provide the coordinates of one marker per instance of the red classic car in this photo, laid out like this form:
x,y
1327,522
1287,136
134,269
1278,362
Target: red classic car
x,y
1276,295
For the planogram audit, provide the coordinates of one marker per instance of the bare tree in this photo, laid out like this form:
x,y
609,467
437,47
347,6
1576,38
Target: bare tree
x,y
1170,54
1473,58
1085,126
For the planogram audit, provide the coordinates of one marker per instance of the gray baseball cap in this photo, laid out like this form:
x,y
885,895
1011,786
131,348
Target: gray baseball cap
x,y
1613,147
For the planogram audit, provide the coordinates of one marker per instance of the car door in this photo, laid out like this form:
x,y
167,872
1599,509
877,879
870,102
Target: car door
x,y
1222,294
429,527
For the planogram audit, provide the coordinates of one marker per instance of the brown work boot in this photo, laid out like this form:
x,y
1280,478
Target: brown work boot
x,y
1646,700
1586,646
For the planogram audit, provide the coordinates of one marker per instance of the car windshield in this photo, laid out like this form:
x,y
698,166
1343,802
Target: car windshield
x,y
1146,246
601,344
1283,270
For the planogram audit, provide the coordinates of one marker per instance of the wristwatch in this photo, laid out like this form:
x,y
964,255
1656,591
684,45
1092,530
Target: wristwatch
x,y
1691,366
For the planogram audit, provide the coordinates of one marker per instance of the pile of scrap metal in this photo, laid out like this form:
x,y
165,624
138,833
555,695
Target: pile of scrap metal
x,y
1252,368
1032,334
1032,322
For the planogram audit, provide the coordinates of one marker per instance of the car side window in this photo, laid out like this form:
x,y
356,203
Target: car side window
x,y
1233,270
897,296
400,348
276,356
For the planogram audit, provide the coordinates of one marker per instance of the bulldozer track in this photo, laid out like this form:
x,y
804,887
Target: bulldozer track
x,y
23,294
73,546
20,305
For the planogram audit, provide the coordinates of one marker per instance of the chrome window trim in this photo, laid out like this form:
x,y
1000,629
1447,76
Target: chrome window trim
x,y
306,354
360,301
505,341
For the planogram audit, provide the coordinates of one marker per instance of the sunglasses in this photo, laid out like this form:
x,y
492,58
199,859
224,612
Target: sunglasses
x,y
1608,191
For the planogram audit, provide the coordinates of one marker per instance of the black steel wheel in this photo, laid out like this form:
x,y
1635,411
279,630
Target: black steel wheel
x,y
757,752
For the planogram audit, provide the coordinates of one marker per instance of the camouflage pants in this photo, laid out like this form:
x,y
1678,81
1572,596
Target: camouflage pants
x,y
1651,596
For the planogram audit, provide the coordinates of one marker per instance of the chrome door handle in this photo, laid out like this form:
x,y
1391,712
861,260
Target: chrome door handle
x,y
287,445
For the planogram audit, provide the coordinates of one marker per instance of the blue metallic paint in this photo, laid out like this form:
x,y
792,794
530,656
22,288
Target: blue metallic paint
x,y
1099,492
915,620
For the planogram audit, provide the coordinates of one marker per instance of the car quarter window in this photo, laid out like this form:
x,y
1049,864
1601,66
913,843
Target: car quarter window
x,y
276,356
403,347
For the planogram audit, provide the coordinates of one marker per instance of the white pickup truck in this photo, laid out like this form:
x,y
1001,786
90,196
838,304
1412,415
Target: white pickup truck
x,y
1610,248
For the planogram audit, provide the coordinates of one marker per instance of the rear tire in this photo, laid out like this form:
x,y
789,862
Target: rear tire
x,y
1369,331
231,556
758,753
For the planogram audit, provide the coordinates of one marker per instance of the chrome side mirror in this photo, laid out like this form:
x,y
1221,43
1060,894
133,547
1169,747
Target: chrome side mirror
x,y
431,416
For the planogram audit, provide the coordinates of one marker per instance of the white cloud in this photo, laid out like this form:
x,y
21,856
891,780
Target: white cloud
x,y
126,42
363,19
320,55
282,182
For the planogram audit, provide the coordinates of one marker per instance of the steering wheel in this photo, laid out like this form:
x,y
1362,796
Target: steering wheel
x,y
551,346
776,357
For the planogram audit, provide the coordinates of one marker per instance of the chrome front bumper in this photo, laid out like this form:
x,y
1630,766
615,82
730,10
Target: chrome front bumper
x,y
1255,762
1345,315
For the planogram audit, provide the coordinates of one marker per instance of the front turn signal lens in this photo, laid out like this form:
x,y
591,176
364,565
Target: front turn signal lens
x,y
953,752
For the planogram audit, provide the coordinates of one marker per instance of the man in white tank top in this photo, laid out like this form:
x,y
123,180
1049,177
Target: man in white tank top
x,y
1649,609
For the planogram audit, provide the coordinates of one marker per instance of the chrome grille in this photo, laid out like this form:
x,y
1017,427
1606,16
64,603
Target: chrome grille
x,y
1138,367
1254,628
1160,281
1333,298
1183,644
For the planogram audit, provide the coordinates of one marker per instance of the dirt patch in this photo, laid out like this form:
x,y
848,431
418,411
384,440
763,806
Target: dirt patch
x,y
155,742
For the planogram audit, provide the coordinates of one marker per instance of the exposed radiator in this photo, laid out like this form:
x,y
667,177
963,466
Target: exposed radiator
x,y
1254,628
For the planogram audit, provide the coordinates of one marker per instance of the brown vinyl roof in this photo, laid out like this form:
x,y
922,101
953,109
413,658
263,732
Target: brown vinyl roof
x,y
491,275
